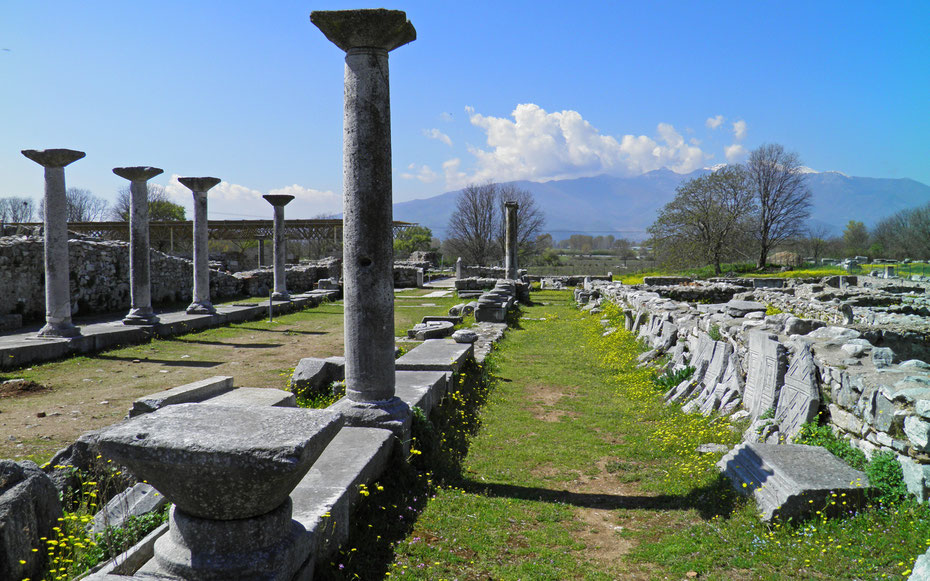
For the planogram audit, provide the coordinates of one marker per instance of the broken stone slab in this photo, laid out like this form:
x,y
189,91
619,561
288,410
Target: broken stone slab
x,y
914,364
712,449
187,393
221,462
882,357
834,333
29,507
793,480
917,431
799,399
314,375
766,373
139,500
796,326
436,355
464,336
739,309
455,320
431,330
255,397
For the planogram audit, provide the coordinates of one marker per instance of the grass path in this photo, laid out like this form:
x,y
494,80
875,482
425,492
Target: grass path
x,y
575,470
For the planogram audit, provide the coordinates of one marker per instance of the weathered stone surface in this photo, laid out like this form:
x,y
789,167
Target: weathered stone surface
x,y
255,396
882,357
921,570
834,333
916,477
221,462
187,393
737,308
29,508
314,375
917,431
141,499
431,330
796,326
766,373
800,395
785,478
464,336
436,355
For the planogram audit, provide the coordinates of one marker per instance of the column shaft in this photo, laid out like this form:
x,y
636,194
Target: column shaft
x,y
201,302
57,265
368,257
510,241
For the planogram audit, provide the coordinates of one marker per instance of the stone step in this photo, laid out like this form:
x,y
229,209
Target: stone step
x,y
188,393
325,498
255,396
422,389
436,355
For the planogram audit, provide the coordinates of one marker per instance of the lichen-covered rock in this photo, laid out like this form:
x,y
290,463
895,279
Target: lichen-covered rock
x,y
29,508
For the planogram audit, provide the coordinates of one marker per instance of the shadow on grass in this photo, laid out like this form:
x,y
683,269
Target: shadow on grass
x,y
239,345
165,362
715,500
283,331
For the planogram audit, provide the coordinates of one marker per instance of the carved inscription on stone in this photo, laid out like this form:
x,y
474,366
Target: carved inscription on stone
x,y
766,373
800,397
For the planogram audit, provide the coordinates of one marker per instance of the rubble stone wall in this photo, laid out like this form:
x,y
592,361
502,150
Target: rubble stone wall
x,y
854,366
100,277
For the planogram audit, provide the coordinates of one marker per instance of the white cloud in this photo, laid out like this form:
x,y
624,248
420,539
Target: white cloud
x,y
422,173
739,130
538,145
735,153
438,135
714,122
228,201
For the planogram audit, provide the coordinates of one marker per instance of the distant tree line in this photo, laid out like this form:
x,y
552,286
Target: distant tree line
x,y
84,206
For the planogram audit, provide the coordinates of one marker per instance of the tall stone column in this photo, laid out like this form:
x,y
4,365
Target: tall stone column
x,y
140,279
510,241
367,36
57,270
280,246
201,304
458,268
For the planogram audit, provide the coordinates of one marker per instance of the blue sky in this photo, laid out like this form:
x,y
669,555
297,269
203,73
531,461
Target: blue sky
x,y
252,92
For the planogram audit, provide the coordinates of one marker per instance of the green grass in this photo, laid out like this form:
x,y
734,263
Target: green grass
x,y
573,453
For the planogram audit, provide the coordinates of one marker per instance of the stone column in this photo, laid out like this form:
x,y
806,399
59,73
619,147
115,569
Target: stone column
x,y
280,246
261,251
57,272
458,268
367,36
140,281
201,304
510,241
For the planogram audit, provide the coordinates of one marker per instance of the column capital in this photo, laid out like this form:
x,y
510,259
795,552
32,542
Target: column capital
x,y
374,28
278,199
511,204
138,173
53,157
199,184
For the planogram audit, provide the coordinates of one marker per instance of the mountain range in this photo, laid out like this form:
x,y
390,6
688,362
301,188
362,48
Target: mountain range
x,y
626,207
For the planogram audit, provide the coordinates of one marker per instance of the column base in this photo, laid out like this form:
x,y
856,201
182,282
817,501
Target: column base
x,y
281,296
392,414
140,316
268,547
201,308
62,329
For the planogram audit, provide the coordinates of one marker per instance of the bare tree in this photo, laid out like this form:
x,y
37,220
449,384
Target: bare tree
x,y
83,206
781,194
16,210
530,219
473,227
706,219
161,208
815,240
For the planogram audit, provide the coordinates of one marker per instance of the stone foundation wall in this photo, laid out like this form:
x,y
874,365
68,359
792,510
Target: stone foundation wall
x,y
100,277
862,376
494,272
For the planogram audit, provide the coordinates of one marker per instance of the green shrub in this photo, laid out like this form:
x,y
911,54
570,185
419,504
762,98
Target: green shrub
x,y
667,381
714,332
885,474
813,434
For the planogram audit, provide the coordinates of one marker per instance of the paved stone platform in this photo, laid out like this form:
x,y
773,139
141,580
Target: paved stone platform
x,y
436,355
100,333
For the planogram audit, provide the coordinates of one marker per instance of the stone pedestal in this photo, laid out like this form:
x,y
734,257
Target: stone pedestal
x,y
140,280
367,36
57,269
229,471
510,240
280,246
201,304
